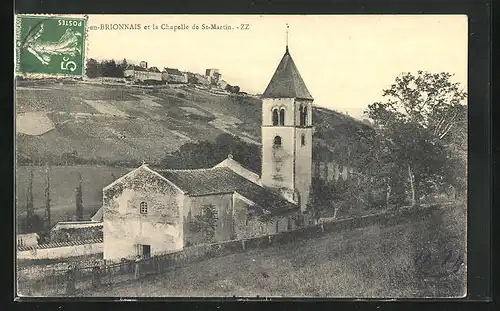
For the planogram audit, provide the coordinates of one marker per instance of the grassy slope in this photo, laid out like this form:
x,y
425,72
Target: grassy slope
x,y
377,261
149,131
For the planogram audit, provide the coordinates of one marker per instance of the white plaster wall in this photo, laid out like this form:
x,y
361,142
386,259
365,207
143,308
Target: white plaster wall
x,y
124,226
61,252
277,162
27,239
303,165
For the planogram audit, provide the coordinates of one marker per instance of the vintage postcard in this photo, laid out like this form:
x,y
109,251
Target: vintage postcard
x,y
316,156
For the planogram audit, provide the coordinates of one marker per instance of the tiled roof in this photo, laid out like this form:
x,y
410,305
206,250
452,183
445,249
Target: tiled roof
x,y
136,68
173,71
154,69
75,225
60,244
286,81
223,180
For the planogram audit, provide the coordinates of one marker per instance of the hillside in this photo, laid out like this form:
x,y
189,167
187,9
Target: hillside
x,y
379,261
123,123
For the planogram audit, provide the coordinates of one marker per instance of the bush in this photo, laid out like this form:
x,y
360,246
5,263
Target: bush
x,y
180,95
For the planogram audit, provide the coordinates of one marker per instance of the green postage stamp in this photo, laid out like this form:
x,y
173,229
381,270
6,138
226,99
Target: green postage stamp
x,y
50,45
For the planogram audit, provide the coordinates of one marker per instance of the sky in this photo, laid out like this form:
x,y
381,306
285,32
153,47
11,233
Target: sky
x,y
345,60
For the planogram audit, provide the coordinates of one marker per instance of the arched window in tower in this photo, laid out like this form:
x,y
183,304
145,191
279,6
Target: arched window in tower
x,y
303,115
275,117
277,141
282,116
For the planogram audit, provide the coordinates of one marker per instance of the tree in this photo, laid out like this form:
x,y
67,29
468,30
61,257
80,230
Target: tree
x,y
79,198
207,153
418,123
47,198
32,221
93,68
206,223
109,68
123,66
29,198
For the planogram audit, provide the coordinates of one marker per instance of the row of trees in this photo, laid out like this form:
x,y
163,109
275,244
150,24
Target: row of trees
x,y
106,68
418,148
33,222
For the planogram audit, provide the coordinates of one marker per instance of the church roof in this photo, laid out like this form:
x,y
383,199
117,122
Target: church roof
x,y
239,169
286,81
224,180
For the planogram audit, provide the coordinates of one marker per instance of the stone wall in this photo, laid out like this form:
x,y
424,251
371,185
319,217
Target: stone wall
x,y
61,252
193,206
125,227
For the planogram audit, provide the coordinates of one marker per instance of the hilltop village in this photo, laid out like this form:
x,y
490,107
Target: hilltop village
x,y
144,75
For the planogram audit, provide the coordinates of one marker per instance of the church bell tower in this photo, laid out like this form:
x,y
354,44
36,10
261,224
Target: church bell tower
x,y
287,133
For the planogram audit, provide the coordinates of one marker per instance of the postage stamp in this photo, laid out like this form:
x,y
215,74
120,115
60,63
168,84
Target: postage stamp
x,y
50,45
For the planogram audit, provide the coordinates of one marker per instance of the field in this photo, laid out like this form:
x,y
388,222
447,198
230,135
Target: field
x,y
119,122
122,123
374,262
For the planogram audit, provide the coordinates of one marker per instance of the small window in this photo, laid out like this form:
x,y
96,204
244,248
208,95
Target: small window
x,y
303,115
143,208
277,141
275,117
303,140
282,116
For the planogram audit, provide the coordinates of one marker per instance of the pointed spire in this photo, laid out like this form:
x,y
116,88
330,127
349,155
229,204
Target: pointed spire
x,y
286,81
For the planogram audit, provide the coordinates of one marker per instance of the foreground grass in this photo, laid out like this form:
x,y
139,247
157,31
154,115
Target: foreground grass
x,y
376,261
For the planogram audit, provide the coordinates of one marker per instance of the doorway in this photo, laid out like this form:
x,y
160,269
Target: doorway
x,y
144,250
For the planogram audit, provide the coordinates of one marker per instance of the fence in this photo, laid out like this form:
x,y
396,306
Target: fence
x,y
72,280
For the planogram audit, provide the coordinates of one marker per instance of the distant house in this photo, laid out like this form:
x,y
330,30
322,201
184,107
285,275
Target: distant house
x,y
173,76
197,79
27,239
213,76
222,84
141,73
203,80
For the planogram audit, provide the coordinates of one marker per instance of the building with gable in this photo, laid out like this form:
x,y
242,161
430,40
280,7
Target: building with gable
x,y
153,210
174,76
142,73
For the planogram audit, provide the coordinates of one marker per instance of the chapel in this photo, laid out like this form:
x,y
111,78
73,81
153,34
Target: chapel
x,y
153,210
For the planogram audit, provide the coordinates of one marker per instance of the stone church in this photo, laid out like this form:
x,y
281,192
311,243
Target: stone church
x,y
150,211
